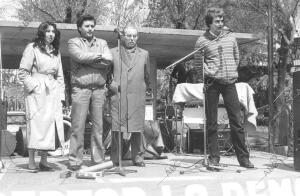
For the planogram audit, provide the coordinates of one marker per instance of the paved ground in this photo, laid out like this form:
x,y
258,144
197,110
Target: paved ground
x,y
177,175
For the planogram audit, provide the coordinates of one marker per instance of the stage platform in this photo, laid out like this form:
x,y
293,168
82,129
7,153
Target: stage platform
x,y
274,175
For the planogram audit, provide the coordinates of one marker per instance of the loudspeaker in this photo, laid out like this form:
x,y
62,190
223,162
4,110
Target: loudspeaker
x,y
167,134
170,111
197,141
3,122
296,119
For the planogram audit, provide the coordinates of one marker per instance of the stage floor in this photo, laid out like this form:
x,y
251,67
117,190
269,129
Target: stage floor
x,y
273,175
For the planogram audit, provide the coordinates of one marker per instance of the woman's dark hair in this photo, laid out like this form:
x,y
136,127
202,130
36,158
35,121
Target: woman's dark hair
x,y
39,40
83,18
211,13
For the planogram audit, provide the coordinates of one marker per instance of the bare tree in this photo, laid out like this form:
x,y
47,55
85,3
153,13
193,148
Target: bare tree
x,y
285,29
108,12
66,11
179,14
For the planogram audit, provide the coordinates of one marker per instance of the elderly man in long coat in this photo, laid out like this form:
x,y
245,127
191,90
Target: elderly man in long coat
x,y
131,77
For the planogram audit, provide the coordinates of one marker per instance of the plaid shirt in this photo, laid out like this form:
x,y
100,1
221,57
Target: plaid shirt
x,y
220,58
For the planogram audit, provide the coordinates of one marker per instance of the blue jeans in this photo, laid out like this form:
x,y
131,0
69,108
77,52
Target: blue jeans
x,y
84,100
233,109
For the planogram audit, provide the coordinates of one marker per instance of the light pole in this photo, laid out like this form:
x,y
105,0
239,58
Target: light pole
x,y
270,78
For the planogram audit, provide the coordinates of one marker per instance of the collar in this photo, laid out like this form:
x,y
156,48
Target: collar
x,y
132,50
214,34
210,35
92,40
49,49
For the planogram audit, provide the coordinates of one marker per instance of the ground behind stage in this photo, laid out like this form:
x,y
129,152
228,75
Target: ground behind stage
x,y
273,175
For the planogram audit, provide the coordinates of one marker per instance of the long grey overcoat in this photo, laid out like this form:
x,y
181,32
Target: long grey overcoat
x,y
43,80
133,78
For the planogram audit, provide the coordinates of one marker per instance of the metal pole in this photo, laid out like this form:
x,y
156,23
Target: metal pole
x,y
3,108
1,72
270,78
204,115
120,115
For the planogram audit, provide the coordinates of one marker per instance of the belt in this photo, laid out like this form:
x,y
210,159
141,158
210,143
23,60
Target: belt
x,y
89,86
50,76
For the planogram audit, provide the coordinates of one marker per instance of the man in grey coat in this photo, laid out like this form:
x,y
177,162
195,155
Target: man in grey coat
x,y
90,61
131,77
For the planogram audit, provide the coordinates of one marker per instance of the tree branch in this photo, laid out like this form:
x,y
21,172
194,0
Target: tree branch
x,y
68,15
81,11
189,5
295,8
43,11
256,8
196,21
172,13
284,35
56,8
123,11
289,41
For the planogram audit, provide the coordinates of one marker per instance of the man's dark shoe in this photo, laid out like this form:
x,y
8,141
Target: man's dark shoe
x,y
139,164
213,162
115,164
246,163
45,167
74,167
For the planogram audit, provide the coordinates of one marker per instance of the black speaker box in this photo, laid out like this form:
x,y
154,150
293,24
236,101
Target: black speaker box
x,y
167,134
296,119
3,122
197,140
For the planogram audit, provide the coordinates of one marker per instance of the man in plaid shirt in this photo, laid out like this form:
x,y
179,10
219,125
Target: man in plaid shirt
x,y
219,60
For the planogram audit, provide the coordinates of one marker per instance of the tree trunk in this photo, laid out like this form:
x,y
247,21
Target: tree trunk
x,y
280,99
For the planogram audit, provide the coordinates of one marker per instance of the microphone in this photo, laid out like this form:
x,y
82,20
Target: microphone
x,y
225,28
118,31
225,31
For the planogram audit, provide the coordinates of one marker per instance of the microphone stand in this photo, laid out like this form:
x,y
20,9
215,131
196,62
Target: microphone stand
x,y
120,170
3,108
205,161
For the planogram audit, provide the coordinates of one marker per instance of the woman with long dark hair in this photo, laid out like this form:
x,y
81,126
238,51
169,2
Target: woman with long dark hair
x,y
42,75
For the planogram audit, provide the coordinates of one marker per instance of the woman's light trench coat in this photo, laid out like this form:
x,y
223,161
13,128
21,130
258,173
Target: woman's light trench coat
x,y
42,76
